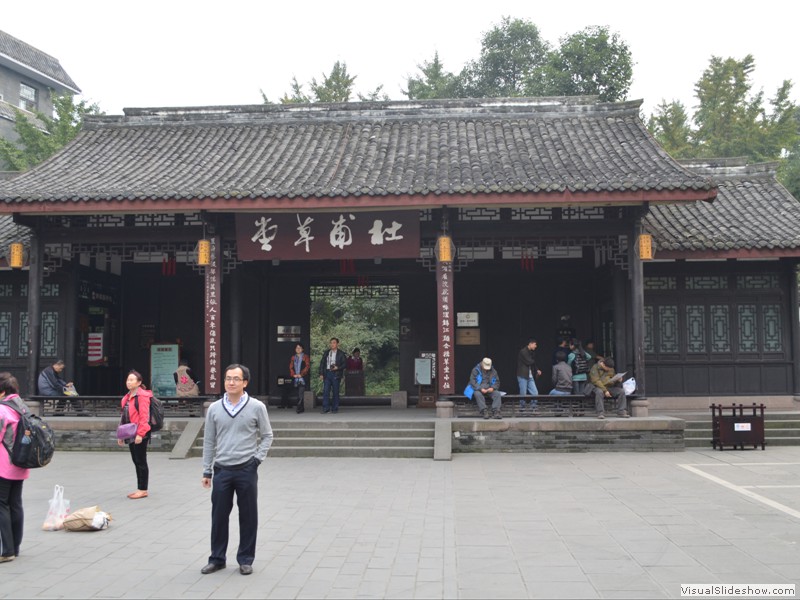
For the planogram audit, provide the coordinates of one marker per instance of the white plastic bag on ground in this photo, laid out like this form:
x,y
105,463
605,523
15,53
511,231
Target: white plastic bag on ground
x,y
57,512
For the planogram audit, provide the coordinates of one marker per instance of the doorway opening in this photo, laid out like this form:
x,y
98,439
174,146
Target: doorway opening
x,y
365,317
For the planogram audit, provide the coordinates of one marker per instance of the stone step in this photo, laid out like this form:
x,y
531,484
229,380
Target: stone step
x,y
281,442
351,451
301,423
706,443
303,437
317,432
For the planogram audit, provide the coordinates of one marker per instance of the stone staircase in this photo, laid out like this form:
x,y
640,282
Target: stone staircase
x,y
366,439
780,428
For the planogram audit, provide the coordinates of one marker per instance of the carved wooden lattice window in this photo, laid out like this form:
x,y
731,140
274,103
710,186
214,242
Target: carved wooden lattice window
x,y
707,282
767,281
668,327
660,283
649,330
5,335
23,335
748,330
771,319
720,328
695,328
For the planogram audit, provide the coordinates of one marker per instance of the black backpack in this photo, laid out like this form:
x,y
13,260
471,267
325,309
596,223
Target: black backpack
x,y
580,365
35,442
156,413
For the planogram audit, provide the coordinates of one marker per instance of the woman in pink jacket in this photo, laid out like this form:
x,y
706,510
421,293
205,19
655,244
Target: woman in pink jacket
x,y
137,403
11,476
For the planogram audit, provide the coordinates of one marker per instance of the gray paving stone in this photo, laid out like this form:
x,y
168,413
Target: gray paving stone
x,y
554,525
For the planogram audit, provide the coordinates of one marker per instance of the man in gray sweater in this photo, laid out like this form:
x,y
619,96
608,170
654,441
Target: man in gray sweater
x,y
236,439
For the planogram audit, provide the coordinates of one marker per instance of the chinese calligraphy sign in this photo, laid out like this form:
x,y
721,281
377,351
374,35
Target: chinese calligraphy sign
x,y
340,235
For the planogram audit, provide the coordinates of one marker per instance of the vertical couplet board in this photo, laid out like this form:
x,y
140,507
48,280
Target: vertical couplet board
x,y
444,313
213,307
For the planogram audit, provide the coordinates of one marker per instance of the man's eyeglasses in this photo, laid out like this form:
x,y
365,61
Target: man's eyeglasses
x,y
233,380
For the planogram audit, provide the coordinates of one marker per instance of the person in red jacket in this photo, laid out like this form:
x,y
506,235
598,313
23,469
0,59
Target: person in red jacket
x,y
11,476
137,405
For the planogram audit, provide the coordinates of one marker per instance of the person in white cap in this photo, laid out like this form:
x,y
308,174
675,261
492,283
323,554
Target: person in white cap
x,y
484,382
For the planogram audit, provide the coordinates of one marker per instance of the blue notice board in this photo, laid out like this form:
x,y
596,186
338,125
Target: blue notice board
x,y
163,364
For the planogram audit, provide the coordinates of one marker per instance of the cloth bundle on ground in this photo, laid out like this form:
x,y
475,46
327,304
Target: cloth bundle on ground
x,y
90,518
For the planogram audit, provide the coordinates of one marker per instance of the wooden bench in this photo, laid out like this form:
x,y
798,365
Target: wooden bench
x,y
571,405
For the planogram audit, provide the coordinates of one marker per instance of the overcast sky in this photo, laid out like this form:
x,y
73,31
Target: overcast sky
x,y
179,53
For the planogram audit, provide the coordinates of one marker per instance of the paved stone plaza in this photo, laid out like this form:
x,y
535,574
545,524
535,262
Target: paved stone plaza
x,y
616,525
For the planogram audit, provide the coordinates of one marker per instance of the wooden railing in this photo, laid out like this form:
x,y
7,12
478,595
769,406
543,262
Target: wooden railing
x,y
109,406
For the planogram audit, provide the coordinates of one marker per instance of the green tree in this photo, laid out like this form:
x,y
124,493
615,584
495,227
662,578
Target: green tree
x,y
592,62
359,318
730,120
433,82
670,126
334,87
38,141
513,55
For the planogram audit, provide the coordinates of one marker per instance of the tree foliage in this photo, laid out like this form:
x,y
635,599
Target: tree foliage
x,y
591,62
730,119
433,82
512,55
359,320
38,141
336,86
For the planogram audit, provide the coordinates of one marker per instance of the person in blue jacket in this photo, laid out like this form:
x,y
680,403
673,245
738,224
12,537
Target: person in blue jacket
x,y
483,381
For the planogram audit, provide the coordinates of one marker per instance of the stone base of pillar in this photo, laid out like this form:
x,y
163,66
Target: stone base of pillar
x,y
445,409
399,400
640,408
35,406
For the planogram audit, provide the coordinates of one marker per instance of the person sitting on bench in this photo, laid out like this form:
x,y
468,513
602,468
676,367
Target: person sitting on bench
x,y
484,382
603,383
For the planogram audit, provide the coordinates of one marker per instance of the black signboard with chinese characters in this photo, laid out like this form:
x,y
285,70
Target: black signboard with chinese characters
x,y
341,235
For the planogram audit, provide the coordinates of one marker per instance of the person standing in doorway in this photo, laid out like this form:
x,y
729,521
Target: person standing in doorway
x,y
527,373
236,440
331,369
136,405
299,368
579,361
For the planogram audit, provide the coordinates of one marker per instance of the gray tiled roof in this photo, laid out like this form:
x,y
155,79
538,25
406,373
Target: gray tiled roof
x,y
20,52
559,146
7,111
752,211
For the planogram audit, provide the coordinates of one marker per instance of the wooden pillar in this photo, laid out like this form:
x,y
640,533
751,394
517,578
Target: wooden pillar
x,y
637,305
35,271
71,330
236,315
794,314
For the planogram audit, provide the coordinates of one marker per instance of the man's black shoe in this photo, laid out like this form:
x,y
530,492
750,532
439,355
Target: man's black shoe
x,y
324,412
211,568
246,569
485,413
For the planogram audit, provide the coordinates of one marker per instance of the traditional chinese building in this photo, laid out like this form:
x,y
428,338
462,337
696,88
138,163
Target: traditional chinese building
x,y
492,220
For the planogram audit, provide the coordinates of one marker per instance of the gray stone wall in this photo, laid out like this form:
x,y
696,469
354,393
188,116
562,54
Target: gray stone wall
x,y
569,435
96,435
